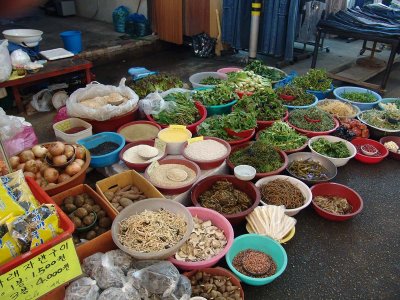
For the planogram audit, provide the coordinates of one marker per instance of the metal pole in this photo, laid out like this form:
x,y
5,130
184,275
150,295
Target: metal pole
x,y
255,24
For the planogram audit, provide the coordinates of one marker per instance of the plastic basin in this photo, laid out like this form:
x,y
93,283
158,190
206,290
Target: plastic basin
x,y
377,132
31,37
288,151
386,101
291,107
209,164
356,109
370,159
134,124
245,186
260,243
192,127
261,125
217,220
336,189
196,78
242,140
338,162
362,106
140,167
222,109
321,94
311,134
305,190
99,161
283,155
72,40
229,70
153,204
395,139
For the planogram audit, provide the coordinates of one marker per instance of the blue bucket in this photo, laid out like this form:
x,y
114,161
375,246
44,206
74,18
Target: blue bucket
x,y
72,41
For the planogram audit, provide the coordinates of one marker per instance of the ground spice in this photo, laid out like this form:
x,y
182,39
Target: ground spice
x,y
139,132
205,150
103,148
161,175
254,263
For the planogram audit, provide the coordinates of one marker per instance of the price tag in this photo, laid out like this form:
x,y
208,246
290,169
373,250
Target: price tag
x,y
152,166
177,126
194,140
160,145
42,273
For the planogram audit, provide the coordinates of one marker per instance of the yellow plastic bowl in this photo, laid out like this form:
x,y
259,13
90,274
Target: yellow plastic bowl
x,y
284,240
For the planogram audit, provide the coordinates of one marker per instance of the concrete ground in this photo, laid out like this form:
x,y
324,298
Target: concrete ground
x,y
357,259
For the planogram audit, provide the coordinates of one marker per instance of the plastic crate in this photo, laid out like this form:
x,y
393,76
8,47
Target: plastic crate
x,y
65,224
71,138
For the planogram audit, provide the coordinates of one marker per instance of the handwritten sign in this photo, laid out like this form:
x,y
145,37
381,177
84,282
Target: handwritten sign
x,y
194,140
41,274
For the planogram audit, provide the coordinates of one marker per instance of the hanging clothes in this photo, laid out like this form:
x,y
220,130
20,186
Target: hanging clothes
x,y
333,6
310,14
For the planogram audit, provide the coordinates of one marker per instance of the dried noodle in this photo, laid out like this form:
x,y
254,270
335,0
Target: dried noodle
x,y
282,192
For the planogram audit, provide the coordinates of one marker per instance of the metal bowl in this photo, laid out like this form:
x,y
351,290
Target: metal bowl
x,y
326,163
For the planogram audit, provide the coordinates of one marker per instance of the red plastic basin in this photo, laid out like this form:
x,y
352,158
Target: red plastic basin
x,y
336,189
245,186
136,123
244,139
261,125
370,159
395,139
311,134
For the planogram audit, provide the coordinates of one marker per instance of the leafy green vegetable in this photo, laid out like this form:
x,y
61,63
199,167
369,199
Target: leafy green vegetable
x,y
359,97
184,111
301,97
260,155
282,136
221,94
394,105
153,83
331,149
263,70
312,119
384,119
265,105
237,121
247,81
315,80
211,81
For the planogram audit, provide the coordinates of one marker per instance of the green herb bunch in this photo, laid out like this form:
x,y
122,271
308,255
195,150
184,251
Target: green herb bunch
x,y
359,97
154,83
301,119
302,98
221,94
384,119
265,71
247,81
331,149
315,80
211,81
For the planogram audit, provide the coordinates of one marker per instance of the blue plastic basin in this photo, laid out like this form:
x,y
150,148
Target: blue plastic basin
x,y
362,106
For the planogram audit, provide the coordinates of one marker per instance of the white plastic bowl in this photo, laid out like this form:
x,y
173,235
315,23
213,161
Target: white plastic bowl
x,y
31,37
196,78
338,162
174,148
305,190
244,172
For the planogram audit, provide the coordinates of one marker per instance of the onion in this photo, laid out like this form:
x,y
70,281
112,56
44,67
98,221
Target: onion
x,y
44,167
14,161
80,162
38,175
39,163
26,155
56,148
39,151
73,169
69,151
50,184
21,167
39,181
59,160
50,175
29,174
31,166
63,177
80,152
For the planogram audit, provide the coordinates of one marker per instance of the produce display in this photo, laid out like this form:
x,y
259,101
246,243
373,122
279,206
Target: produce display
x,y
211,81
254,263
259,68
333,204
314,80
103,149
282,136
294,96
224,198
155,83
99,101
221,94
142,154
213,287
151,231
392,147
282,192
331,149
205,150
264,105
248,81
172,175
184,112
368,150
359,97
205,242
337,108
123,197
382,119
308,169
139,131
260,155
312,119
395,105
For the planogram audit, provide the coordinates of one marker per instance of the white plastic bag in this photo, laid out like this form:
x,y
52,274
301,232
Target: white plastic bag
x,y
106,112
41,101
82,289
154,103
19,58
5,61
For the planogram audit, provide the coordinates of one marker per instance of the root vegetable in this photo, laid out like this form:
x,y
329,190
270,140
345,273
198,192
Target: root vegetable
x,y
50,175
77,222
125,202
81,212
44,167
105,222
101,214
14,161
26,155
21,167
69,200
88,220
79,200
109,195
120,208
56,148
80,152
91,235
39,163
29,174
73,169
38,175
63,178
51,184
69,207
31,166
88,207
96,208
59,160
39,151
80,162
69,151
89,201
100,231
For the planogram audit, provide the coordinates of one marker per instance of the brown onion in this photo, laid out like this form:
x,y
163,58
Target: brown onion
x,y
39,151
26,155
50,184
80,162
63,177
38,175
29,174
50,175
31,166
39,163
80,152
69,151
56,148
73,169
59,160
44,167
14,161
21,167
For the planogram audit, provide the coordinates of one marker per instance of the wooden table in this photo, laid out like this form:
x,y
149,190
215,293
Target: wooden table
x,y
51,69
357,75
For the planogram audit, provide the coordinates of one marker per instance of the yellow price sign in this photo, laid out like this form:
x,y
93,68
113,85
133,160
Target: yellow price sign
x,y
41,274
177,126
194,140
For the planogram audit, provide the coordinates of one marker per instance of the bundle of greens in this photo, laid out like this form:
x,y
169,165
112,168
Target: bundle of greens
x,y
359,97
221,94
383,119
315,80
211,81
265,71
184,112
331,149
247,81
282,136
237,121
265,105
301,97
312,119
154,83
260,155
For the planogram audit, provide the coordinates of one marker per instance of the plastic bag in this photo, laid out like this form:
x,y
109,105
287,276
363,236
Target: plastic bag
x,y
59,99
120,259
90,262
203,45
41,101
120,15
287,80
19,58
106,112
183,290
107,275
82,289
154,103
5,62
127,292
